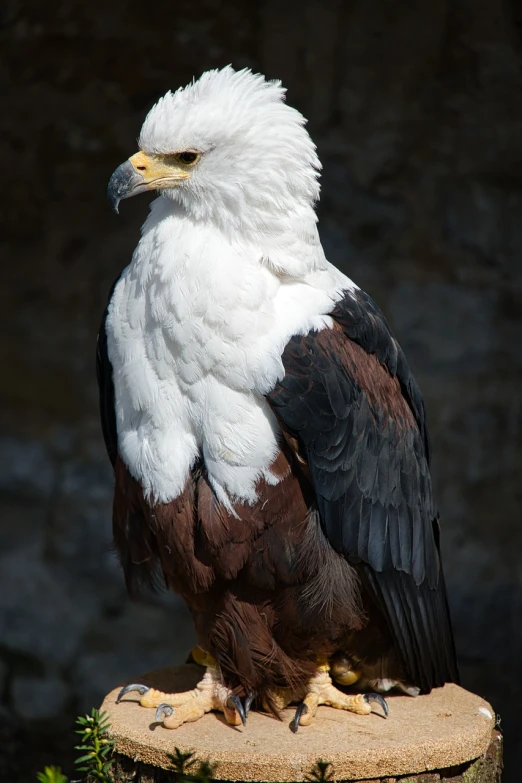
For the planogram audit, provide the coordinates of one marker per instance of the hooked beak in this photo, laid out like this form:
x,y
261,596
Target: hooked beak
x,y
144,172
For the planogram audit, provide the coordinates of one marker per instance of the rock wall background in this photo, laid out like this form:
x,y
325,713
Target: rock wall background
x,y
416,108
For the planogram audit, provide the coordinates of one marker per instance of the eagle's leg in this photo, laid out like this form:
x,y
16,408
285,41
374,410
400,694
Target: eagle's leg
x,y
321,691
174,709
279,699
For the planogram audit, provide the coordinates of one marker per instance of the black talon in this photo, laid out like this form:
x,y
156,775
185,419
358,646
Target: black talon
x,y
376,697
234,702
163,711
248,701
141,689
301,710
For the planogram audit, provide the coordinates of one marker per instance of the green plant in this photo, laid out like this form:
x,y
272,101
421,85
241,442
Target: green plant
x,y
98,745
51,775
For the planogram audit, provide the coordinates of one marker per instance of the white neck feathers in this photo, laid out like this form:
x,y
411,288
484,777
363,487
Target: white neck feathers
x,y
196,329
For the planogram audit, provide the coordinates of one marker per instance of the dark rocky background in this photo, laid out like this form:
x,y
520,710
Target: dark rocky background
x,y
416,106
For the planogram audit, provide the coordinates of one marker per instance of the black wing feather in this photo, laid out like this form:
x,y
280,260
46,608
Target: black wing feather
x,y
372,481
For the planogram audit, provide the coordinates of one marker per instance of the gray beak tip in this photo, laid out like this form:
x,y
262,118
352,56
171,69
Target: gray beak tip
x,y
125,182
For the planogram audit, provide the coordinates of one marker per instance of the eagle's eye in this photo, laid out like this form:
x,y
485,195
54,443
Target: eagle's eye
x,y
188,157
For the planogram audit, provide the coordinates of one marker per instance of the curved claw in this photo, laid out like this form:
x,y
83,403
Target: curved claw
x,y
378,699
234,702
141,689
301,710
163,711
248,701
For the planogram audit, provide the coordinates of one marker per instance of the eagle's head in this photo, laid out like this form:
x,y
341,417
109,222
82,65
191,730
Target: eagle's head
x,y
224,146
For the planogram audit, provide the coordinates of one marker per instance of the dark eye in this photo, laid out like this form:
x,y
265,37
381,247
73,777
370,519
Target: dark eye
x,y
188,158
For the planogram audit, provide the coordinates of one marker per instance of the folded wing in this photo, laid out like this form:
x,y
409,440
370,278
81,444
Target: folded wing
x,y
355,414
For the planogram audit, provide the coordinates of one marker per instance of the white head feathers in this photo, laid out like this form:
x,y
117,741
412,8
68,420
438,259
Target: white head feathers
x,y
257,160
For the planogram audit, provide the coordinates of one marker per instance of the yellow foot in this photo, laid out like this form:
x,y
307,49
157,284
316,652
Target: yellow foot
x,y
320,690
174,709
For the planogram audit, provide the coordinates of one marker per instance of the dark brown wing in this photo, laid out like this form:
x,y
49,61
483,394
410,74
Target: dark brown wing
x,y
356,411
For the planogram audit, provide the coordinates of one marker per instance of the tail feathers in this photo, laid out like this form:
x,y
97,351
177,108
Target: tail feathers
x,y
420,624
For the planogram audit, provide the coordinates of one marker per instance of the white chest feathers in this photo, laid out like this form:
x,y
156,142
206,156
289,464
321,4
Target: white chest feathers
x,y
196,328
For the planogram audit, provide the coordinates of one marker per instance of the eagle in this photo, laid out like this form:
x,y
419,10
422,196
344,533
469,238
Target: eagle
x,y
268,439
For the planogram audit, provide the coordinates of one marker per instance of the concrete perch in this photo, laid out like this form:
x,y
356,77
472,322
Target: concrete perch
x,y
449,734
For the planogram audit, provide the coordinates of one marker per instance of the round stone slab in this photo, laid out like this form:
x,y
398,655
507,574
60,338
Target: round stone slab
x,y
450,726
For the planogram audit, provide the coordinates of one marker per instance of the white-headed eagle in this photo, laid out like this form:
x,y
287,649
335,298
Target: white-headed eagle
x,y
268,439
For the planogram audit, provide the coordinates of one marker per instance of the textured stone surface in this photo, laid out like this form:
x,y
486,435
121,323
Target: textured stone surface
x,y
445,729
485,769
417,114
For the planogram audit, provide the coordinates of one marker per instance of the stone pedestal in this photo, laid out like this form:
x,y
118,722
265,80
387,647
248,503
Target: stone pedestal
x,y
447,735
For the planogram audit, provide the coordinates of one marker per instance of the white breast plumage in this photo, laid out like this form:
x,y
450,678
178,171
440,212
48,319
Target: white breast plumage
x,y
196,328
